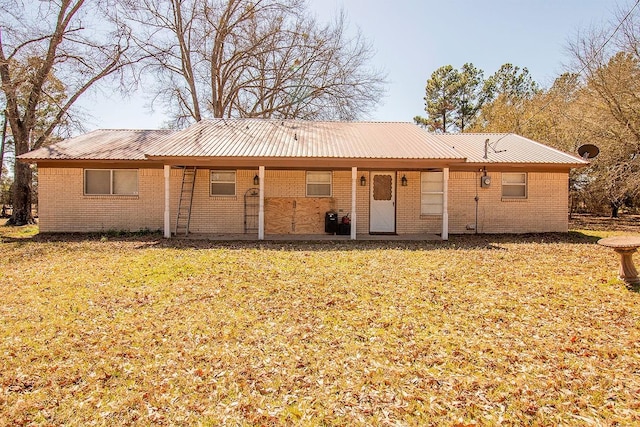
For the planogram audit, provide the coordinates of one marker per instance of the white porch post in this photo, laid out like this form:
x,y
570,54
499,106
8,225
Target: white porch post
x,y
167,201
445,204
261,206
354,188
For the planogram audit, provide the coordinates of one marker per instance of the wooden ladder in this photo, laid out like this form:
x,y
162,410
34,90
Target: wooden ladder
x,y
186,200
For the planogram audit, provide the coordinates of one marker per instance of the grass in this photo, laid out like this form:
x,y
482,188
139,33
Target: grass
x,y
507,330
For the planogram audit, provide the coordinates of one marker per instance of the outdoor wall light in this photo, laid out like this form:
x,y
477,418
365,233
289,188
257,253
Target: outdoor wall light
x,y
363,181
256,180
404,180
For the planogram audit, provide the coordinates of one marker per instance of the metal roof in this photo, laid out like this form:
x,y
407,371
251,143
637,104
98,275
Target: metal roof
x,y
303,139
287,139
101,145
506,148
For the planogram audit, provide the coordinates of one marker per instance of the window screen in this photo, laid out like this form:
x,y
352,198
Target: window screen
x,y
223,183
431,193
111,181
319,183
514,185
97,181
125,181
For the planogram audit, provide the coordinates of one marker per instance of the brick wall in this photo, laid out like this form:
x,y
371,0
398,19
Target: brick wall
x,y
342,194
226,214
362,204
544,210
213,214
64,208
408,217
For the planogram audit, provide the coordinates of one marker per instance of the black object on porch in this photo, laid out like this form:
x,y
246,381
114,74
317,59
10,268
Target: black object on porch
x,y
331,222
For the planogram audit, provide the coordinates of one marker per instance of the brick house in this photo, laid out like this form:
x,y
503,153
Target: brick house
x,y
272,177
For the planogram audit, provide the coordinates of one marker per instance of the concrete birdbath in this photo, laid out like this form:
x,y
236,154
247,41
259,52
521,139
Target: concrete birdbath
x,y
625,246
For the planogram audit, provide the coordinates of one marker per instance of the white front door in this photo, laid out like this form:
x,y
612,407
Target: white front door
x,y
383,203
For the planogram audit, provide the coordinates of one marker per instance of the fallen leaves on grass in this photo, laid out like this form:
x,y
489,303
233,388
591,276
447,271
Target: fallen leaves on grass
x,y
507,330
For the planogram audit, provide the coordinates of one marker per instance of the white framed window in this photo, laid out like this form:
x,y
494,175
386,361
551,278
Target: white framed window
x,y
223,183
514,185
318,183
431,193
122,182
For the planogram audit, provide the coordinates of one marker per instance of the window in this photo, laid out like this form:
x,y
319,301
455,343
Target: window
x,y
223,183
431,193
319,184
514,185
382,186
111,182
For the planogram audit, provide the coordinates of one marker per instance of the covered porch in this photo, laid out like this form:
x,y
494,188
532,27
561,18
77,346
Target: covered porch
x,y
353,194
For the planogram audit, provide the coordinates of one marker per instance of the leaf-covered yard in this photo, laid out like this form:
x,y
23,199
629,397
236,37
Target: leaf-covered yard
x,y
511,330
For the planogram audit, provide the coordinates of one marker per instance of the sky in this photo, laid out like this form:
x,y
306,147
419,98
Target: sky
x,y
413,38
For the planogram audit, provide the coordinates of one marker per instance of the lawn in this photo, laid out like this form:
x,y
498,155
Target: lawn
x,y
506,330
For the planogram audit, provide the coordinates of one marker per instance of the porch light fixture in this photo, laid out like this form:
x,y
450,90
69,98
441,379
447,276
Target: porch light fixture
x,y
404,180
256,180
363,181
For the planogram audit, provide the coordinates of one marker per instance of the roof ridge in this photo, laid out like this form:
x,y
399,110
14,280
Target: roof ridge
x,y
474,133
131,130
264,119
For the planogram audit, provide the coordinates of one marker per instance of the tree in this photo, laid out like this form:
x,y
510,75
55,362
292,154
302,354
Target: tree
x,y
511,83
507,95
470,96
3,145
440,100
5,180
608,61
453,98
610,103
260,58
42,44
5,191
462,100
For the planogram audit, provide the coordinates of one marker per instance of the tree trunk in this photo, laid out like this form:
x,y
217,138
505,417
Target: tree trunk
x,y
614,210
3,142
444,122
21,214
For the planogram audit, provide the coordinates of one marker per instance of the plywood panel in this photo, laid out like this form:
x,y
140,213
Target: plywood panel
x,y
278,215
299,215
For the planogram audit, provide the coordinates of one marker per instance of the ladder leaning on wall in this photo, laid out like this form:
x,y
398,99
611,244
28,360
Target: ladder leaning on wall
x,y
183,217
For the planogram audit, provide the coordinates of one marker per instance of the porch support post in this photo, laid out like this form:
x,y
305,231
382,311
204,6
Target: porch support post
x,y
354,188
167,202
261,206
445,204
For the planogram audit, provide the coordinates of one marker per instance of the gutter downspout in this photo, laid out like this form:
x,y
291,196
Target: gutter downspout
x,y
477,198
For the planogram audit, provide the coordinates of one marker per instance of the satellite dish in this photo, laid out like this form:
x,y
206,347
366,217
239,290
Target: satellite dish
x,y
588,151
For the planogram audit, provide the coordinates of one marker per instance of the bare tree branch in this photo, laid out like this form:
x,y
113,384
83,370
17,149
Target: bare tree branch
x,y
266,58
54,60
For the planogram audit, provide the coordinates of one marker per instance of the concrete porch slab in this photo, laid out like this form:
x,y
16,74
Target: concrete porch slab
x,y
310,237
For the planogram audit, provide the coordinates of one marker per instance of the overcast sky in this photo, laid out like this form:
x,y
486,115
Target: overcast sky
x,y
413,38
